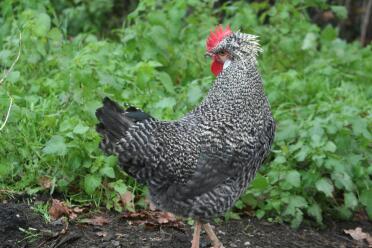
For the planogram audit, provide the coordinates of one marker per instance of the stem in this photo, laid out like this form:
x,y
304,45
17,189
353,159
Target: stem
x,y
6,74
8,113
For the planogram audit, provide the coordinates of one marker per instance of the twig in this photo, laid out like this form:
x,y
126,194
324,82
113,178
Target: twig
x,y
6,74
8,113
365,23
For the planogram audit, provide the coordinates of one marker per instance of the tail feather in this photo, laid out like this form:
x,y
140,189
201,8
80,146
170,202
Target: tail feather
x,y
115,121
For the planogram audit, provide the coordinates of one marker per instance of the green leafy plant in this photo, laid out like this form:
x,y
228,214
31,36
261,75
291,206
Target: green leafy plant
x,y
317,83
42,209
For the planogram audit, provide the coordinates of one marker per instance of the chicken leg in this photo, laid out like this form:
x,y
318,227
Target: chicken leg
x,y
196,237
212,236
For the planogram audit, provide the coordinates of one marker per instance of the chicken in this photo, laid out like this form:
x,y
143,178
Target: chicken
x,y
199,165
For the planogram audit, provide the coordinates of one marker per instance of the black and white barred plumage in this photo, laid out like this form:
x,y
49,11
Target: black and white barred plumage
x,y
198,166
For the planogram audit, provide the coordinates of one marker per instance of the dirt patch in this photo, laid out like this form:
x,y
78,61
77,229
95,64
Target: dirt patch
x,y
121,232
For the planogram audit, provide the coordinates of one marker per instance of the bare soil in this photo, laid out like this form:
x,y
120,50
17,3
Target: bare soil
x,y
122,232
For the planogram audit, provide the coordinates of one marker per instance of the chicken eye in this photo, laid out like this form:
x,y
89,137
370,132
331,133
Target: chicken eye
x,y
221,53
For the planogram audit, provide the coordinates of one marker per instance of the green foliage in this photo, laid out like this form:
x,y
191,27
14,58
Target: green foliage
x,y
318,86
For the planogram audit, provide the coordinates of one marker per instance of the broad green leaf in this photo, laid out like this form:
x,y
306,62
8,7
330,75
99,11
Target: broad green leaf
x,y
259,182
166,80
360,127
366,200
297,220
159,36
309,41
107,171
92,106
317,133
5,169
287,129
91,183
119,186
330,146
42,24
316,140
340,11
239,204
80,129
342,179
369,170
194,94
260,213
315,211
167,102
303,153
293,178
56,145
154,64
295,202
249,199
5,54
344,212
230,215
350,200
14,76
111,161
55,34
325,185
67,124
280,160
329,33
105,78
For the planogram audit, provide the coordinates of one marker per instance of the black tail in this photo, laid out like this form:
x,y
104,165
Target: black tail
x,y
115,121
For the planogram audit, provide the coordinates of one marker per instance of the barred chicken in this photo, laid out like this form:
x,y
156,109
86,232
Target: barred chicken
x,y
199,165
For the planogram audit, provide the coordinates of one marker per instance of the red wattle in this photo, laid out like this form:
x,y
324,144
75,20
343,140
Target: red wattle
x,y
216,67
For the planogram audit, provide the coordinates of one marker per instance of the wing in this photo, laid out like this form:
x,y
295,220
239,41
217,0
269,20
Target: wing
x,y
214,166
159,153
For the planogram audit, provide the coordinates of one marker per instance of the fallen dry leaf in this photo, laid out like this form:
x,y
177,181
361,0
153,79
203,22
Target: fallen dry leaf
x,y
327,16
78,210
72,216
153,219
127,199
358,234
166,217
45,182
96,221
59,209
134,215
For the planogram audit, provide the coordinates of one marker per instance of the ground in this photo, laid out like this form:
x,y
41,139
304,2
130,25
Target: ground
x,y
121,230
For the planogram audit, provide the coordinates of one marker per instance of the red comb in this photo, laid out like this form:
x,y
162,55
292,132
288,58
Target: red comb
x,y
217,36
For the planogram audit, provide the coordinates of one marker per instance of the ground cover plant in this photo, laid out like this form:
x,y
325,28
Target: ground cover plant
x,y
75,53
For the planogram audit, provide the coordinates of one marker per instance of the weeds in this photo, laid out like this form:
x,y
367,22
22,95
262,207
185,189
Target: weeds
x,y
318,86
43,210
31,235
